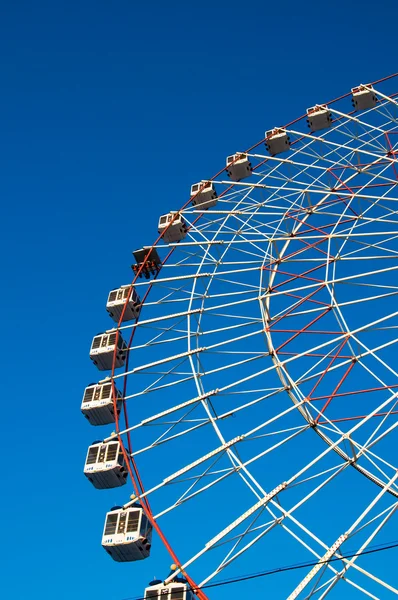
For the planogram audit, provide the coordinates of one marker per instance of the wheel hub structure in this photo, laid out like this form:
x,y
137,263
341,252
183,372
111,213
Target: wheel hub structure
x,y
259,419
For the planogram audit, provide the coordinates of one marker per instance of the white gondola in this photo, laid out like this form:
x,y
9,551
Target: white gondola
x,y
206,197
363,98
103,349
178,589
277,141
127,534
97,405
239,166
105,465
117,299
319,117
147,261
173,227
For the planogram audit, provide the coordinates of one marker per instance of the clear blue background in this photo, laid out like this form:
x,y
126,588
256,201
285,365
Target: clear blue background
x,y
109,111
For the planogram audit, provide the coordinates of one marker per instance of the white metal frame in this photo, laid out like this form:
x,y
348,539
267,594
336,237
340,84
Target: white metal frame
x,y
278,300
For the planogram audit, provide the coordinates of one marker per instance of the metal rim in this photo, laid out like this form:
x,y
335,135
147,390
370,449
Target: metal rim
x,y
280,368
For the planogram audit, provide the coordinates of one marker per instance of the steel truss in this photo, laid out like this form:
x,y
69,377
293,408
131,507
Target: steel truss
x,y
261,388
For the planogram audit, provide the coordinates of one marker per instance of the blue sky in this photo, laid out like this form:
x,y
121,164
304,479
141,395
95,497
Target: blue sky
x,y
109,110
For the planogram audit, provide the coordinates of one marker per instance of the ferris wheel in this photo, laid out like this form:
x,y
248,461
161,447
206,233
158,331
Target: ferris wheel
x,y
252,382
